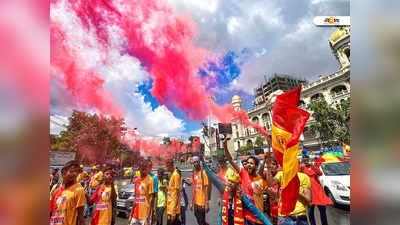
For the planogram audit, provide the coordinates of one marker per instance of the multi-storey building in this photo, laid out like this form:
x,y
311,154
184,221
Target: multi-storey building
x,y
275,82
333,88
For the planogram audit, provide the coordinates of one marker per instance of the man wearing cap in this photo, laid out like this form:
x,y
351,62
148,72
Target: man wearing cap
x,y
200,196
221,187
67,202
232,208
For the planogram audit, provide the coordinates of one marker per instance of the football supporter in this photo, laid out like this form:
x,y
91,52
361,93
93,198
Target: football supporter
x,y
319,197
155,188
221,185
144,190
253,185
173,195
299,215
104,197
200,192
273,191
161,195
67,202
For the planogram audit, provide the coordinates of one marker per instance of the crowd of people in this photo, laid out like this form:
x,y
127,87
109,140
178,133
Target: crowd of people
x,y
77,196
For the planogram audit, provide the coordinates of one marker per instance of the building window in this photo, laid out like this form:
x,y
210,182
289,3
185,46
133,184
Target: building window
x,y
237,134
317,97
238,144
347,53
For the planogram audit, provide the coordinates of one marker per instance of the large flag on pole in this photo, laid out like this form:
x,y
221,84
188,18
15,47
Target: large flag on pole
x,y
288,122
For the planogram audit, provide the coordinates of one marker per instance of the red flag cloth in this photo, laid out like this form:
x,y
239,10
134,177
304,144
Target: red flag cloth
x,y
288,122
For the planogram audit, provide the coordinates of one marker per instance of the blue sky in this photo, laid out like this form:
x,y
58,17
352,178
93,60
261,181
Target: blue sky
x,y
226,69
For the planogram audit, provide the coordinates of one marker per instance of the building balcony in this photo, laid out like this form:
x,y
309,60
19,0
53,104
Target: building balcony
x,y
340,94
326,78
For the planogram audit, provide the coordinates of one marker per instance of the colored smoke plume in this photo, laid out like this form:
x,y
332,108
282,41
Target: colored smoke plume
x,y
196,145
153,148
160,39
84,83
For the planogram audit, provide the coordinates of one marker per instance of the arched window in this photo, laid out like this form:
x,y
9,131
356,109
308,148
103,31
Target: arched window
x,y
238,144
338,89
317,97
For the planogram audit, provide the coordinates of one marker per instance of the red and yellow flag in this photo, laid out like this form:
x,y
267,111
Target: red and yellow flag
x,y
288,123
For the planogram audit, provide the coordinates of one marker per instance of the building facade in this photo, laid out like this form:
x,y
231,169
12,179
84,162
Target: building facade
x,y
275,82
333,88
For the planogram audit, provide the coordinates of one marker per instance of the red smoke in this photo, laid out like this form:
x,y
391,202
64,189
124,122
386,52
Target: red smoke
x,y
84,83
161,40
152,147
196,145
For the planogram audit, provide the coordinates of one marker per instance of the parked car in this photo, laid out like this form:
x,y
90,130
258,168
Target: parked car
x,y
126,195
336,181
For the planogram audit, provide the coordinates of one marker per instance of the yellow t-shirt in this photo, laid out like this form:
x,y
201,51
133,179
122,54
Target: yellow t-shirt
x,y
174,193
199,188
300,209
144,188
64,204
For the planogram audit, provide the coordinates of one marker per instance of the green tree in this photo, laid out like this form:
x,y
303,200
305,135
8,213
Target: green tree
x,y
259,142
166,141
92,137
330,123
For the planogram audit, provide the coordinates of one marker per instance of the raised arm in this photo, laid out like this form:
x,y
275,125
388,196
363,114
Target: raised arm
x,y
267,159
219,184
229,157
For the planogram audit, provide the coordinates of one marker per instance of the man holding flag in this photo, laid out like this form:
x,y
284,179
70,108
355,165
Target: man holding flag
x,y
288,122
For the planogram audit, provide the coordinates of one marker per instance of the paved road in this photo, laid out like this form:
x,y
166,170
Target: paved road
x,y
338,215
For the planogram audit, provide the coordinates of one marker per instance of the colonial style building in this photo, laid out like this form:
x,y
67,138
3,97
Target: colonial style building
x,y
333,88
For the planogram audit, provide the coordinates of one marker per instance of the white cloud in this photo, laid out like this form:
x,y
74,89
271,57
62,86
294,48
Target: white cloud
x,y
233,25
206,5
304,30
157,122
122,74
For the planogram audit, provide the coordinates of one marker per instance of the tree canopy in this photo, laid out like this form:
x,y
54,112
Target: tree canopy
x,y
92,137
330,122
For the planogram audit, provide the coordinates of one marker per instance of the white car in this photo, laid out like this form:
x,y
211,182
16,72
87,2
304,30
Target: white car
x,y
335,180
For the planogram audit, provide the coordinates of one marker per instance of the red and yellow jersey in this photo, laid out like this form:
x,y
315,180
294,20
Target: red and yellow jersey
x,y
103,211
199,181
144,188
64,204
174,193
253,188
224,175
